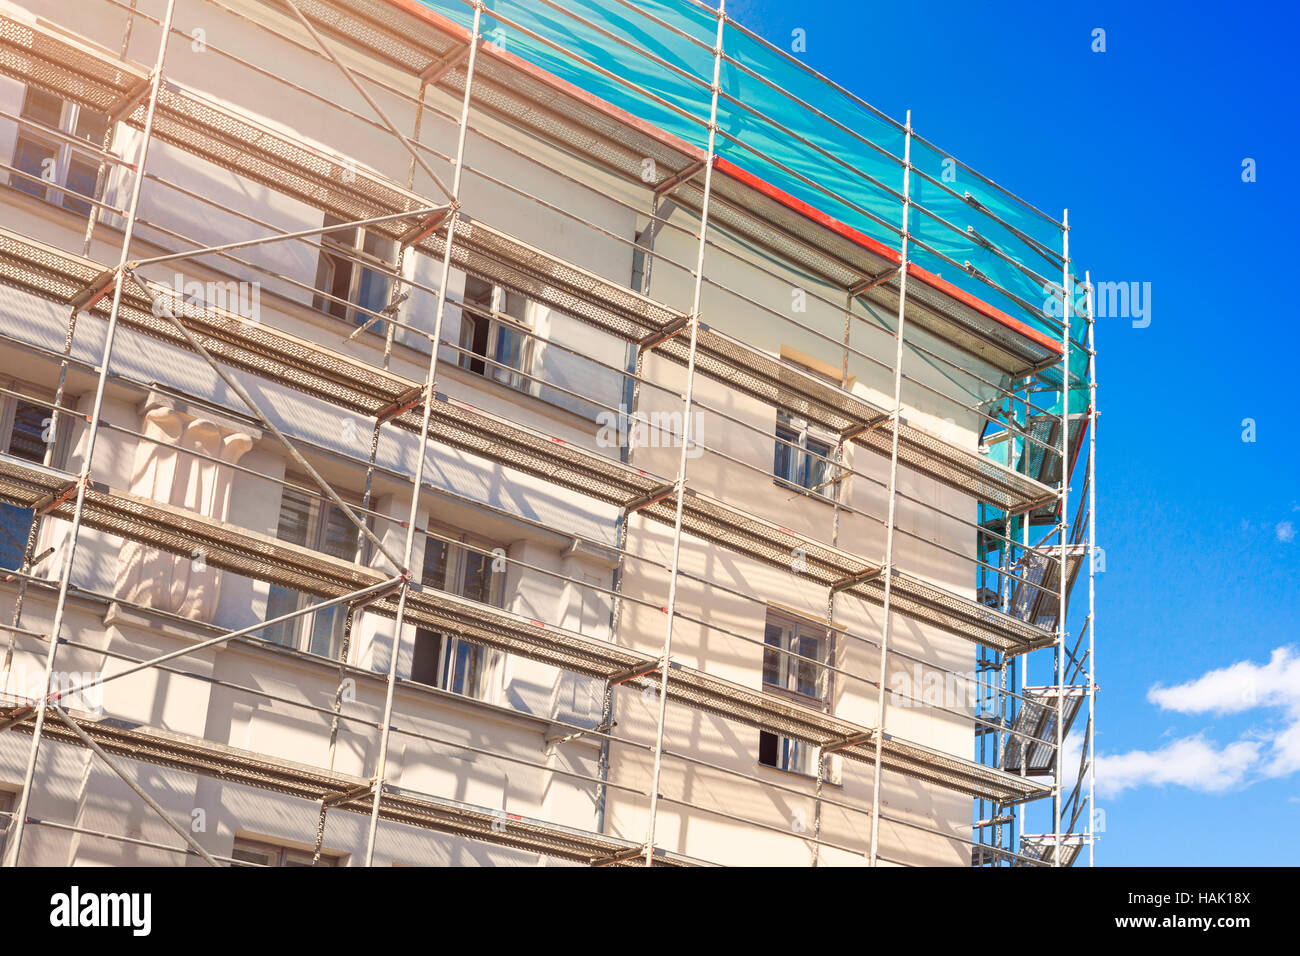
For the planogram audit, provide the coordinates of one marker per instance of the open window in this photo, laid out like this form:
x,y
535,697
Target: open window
x,y
348,289
321,526
471,569
495,334
65,174
796,655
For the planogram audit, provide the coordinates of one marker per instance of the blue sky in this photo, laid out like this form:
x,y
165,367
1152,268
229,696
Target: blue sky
x,y
1144,143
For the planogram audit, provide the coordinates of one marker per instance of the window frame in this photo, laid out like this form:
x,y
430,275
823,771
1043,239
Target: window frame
x,y
282,854
335,253
793,756
449,648
793,437
303,628
499,320
59,140
9,411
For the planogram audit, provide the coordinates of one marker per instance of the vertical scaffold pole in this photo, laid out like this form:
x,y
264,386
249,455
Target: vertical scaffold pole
x,y
1063,531
1092,570
92,428
840,490
887,565
422,452
688,403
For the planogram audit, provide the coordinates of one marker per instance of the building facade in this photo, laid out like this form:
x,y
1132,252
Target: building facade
x,y
629,474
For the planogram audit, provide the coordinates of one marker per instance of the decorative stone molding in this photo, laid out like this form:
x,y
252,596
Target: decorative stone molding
x,y
161,470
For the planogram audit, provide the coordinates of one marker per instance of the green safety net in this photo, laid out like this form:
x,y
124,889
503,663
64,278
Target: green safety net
x,y
800,133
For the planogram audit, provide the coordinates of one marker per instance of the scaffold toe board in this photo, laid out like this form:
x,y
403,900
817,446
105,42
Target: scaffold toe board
x,y
231,765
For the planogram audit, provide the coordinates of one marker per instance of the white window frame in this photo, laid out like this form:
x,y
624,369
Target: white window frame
x,y
522,377
355,258
451,647
791,631
57,192
794,756
9,411
302,628
799,435
279,855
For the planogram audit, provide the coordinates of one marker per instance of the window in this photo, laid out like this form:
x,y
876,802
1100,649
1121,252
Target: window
x,y
8,804
23,428
64,170
494,336
801,458
268,854
795,653
351,284
321,526
443,660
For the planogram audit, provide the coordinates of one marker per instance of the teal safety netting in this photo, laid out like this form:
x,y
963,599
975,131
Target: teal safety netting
x,y
800,133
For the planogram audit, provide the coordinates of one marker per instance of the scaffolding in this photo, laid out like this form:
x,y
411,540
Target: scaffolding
x,y
1033,537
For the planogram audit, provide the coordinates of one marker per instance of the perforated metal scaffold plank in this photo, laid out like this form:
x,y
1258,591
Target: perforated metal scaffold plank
x,y
267,559
1044,848
232,765
1036,597
187,120
1036,718
352,384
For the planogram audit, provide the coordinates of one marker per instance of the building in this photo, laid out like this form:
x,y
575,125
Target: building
x,y
671,443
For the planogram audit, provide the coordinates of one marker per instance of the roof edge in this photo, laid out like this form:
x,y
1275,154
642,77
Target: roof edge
x,y
728,168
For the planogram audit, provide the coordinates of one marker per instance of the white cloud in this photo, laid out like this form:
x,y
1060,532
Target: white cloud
x,y
1239,687
1285,532
1284,759
1191,762
1200,764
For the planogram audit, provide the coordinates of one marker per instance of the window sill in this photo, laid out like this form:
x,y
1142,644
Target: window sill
x,y
787,485
811,778
559,413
